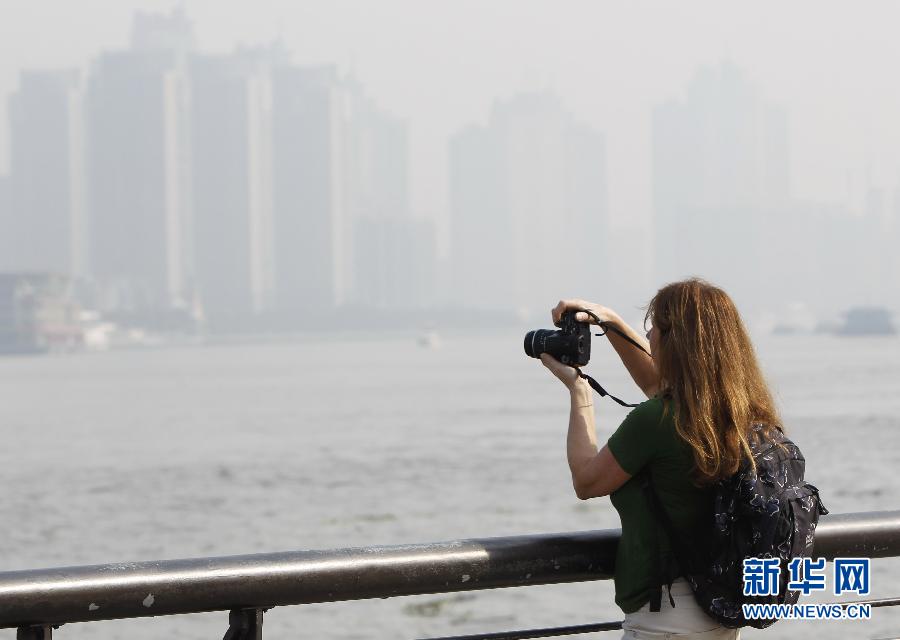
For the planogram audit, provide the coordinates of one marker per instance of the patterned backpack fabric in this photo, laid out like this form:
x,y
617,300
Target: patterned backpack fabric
x,y
769,513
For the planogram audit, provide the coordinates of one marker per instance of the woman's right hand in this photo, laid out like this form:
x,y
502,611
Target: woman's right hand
x,y
603,313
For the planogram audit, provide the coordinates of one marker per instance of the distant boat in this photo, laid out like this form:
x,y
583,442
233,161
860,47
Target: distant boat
x,y
429,340
867,321
38,314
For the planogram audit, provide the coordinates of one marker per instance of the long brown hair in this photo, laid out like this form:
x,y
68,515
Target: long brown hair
x,y
708,369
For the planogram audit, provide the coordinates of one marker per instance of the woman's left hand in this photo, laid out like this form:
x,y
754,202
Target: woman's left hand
x,y
566,374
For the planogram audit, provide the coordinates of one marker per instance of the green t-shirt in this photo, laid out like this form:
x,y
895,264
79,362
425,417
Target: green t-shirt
x,y
647,436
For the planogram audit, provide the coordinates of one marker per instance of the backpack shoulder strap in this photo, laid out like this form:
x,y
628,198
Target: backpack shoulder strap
x,y
662,575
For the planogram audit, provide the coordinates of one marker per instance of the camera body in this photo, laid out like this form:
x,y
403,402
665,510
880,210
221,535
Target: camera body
x,y
570,344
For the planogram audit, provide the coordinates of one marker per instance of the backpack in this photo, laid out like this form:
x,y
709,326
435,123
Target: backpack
x,y
771,513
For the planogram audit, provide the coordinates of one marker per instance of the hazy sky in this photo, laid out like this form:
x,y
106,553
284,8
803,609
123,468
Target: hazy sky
x,y
441,64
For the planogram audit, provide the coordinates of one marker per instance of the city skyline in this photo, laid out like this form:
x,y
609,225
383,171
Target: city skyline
x,y
232,124
238,181
443,64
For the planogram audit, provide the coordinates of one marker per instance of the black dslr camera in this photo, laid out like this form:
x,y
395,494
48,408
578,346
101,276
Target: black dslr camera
x,y
571,344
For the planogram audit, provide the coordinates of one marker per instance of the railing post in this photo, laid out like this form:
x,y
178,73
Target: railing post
x,y
244,624
38,632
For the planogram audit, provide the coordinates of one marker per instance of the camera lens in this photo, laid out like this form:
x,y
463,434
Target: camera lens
x,y
540,341
529,344
571,344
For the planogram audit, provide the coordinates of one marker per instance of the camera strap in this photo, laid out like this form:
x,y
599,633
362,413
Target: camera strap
x,y
608,327
596,385
599,389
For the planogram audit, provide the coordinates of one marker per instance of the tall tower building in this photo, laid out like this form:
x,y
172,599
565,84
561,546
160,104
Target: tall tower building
x,y
529,207
309,193
47,179
139,163
7,233
231,144
394,253
720,181
343,232
892,256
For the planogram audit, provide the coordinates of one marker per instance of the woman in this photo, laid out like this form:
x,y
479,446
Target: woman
x,y
706,390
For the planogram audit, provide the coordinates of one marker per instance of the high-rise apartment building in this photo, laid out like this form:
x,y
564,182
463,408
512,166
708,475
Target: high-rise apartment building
x,y
720,182
893,253
231,150
139,165
529,207
310,211
8,238
47,177
341,209
394,253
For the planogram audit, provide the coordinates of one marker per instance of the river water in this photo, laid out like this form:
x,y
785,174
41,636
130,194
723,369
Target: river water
x,y
330,441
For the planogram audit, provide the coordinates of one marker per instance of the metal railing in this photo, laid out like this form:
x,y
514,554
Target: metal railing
x,y
36,601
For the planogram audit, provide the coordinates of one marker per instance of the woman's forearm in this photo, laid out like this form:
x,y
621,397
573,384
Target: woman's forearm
x,y
638,363
581,441
594,473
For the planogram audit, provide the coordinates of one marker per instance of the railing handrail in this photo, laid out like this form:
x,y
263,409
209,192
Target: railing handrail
x,y
166,587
